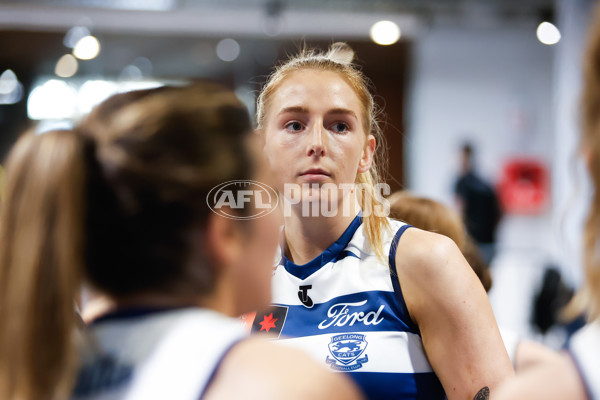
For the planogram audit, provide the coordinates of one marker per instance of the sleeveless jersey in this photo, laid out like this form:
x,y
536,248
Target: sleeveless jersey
x,y
146,355
584,348
346,309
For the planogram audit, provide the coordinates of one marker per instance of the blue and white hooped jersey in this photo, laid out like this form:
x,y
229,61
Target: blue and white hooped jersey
x,y
346,309
155,354
584,348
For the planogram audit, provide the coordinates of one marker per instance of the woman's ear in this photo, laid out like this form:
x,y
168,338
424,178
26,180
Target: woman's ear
x,y
367,155
224,242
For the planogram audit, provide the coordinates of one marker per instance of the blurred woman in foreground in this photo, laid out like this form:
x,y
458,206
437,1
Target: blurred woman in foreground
x,y
122,204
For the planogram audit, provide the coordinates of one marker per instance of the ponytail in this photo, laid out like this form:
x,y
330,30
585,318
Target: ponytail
x,y
41,252
113,202
374,213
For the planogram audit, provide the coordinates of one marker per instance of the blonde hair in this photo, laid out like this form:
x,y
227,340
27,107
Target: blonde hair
x,y
40,245
115,202
433,216
588,297
339,59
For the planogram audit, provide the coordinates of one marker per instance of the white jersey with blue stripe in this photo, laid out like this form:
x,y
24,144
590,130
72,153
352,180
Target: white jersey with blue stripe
x,y
155,354
346,309
584,348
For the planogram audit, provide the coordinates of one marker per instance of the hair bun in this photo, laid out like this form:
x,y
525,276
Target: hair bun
x,y
341,52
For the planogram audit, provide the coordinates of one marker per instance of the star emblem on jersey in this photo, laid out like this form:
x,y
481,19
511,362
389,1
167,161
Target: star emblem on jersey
x,y
346,350
268,322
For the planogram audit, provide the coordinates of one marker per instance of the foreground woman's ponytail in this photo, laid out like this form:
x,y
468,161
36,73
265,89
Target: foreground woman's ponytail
x,y
41,252
115,203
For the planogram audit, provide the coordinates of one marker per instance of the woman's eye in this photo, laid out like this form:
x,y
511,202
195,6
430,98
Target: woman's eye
x,y
294,126
340,127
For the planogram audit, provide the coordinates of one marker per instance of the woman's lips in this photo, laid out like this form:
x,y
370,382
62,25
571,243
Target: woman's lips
x,y
314,172
314,175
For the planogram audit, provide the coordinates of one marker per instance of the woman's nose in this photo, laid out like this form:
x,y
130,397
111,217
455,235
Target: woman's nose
x,y
317,141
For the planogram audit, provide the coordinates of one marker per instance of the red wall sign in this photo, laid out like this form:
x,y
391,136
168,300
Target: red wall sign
x,y
523,188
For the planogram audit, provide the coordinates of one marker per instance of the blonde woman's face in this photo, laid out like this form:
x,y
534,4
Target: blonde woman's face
x,y
314,131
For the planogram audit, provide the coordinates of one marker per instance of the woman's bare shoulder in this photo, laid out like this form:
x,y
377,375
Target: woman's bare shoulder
x,y
423,256
267,370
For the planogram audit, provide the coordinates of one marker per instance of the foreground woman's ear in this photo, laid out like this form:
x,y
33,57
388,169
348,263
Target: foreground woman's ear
x,y
224,241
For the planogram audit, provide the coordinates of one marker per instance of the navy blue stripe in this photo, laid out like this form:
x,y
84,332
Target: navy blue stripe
x,y
344,254
396,282
303,321
217,366
396,386
101,374
331,253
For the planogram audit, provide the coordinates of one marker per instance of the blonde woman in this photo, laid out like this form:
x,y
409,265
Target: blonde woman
x,y
397,309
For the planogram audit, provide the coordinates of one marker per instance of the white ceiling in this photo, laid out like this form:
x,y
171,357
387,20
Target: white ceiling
x,y
258,18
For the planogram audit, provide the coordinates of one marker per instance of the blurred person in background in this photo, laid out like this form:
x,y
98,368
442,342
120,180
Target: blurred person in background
x,y
433,216
122,204
398,309
478,204
575,374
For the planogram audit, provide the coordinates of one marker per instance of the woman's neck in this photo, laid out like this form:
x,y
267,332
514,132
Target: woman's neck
x,y
220,300
308,237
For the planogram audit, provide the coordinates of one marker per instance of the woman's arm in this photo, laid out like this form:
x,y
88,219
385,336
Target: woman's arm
x,y
457,325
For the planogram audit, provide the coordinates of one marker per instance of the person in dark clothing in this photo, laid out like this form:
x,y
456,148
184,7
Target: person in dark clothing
x,y
478,204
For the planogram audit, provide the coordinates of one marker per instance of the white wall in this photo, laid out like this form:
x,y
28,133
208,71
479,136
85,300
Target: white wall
x,y
510,95
494,87
570,183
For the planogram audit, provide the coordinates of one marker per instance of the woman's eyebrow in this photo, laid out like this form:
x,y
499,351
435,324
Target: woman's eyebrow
x,y
294,109
305,110
344,111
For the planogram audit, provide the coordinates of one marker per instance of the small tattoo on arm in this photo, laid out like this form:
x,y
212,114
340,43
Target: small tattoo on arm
x,y
483,394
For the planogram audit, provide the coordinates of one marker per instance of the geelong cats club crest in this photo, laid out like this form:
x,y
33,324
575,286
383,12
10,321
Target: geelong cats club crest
x,y
347,351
